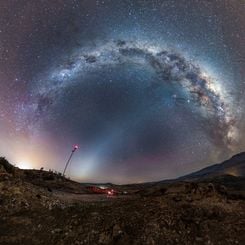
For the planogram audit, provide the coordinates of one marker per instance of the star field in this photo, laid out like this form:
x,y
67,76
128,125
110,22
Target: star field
x,y
148,89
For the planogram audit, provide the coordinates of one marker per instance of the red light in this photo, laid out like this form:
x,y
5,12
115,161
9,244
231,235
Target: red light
x,y
76,147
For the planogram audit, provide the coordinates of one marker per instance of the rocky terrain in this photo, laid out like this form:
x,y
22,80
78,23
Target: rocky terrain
x,y
42,207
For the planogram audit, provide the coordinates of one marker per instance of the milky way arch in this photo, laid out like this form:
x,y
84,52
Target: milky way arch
x,y
170,66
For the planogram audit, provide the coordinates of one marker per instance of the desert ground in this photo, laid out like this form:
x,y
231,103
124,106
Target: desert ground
x,y
42,207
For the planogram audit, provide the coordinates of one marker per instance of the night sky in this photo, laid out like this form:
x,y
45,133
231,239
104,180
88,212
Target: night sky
x,y
148,89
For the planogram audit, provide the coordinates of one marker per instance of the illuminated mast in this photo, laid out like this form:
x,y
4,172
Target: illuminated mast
x,y
75,147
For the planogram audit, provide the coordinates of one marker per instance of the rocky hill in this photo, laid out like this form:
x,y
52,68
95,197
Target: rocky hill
x,y
42,207
235,166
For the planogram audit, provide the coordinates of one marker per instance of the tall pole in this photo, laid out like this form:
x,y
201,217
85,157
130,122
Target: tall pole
x,y
69,159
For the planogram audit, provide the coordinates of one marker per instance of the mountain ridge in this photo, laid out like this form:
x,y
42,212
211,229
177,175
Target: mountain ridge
x,y
235,166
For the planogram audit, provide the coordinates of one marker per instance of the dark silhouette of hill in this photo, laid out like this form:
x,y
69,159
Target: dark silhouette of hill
x,y
235,166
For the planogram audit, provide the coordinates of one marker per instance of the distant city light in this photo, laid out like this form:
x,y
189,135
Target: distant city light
x,y
24,165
